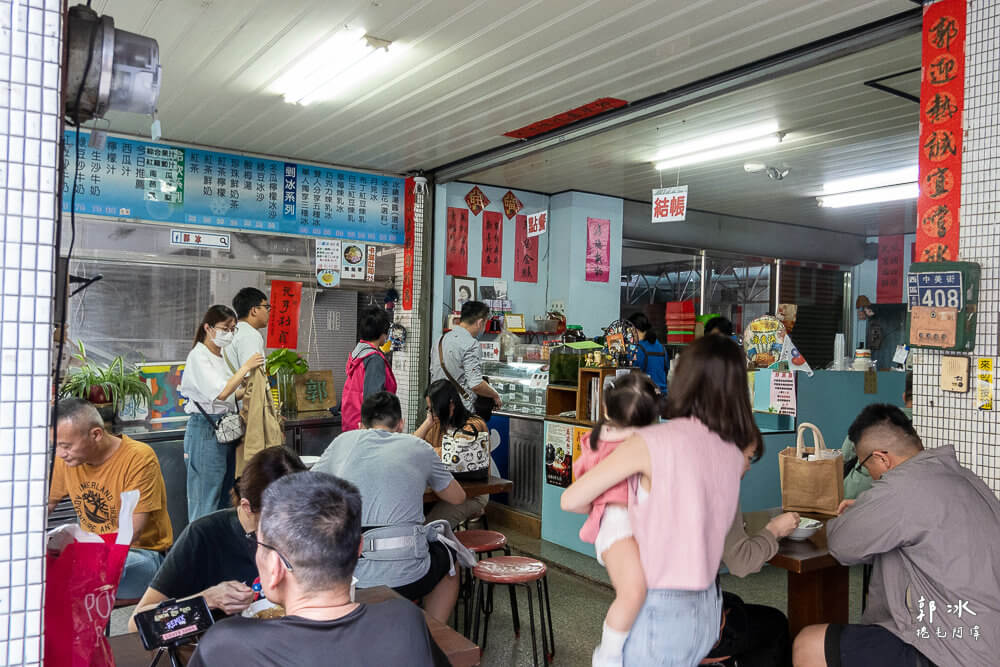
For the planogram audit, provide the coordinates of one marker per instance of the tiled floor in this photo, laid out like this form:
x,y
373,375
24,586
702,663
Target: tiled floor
x,y
580,594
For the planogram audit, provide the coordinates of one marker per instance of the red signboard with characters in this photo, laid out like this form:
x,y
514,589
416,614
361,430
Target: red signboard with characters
x,y
525,252
511,205
492,244
889,287
598,250
538,223
408,248
942,101
476,200
283,325
573,115
457,242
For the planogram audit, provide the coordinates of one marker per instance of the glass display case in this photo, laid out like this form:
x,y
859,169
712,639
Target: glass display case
x,y
521,385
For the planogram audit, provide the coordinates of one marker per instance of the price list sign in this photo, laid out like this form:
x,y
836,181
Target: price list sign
x,y
161,183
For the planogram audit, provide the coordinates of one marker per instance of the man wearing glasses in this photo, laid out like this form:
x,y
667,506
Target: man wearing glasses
x,y
253,311
306,547
931,530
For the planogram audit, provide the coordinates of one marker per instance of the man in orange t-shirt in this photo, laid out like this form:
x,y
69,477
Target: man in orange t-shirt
x,y
93,468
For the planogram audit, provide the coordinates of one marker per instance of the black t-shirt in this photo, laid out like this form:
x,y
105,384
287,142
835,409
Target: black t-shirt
x,y
385,634
211,550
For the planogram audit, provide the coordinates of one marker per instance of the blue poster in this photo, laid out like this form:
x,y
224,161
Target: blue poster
x,y
161,183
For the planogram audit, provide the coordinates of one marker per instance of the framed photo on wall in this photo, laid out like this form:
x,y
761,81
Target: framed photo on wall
x,y
514,322
463,289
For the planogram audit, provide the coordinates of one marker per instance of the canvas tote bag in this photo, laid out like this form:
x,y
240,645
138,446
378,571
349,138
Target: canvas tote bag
x,y
811,486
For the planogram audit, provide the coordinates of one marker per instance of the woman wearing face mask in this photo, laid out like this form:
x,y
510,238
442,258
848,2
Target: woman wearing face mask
x,y
208,381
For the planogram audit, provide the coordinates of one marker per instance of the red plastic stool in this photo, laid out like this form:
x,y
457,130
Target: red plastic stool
x,y
481,542
514,571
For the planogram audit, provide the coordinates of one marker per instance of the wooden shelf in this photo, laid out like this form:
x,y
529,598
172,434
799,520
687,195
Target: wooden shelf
x,y
562,387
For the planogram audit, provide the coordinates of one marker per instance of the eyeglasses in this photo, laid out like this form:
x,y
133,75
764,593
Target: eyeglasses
x,y
252,538
227,330
265,306
861,466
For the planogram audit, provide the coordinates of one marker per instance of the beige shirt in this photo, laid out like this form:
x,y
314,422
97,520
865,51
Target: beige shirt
x,y
743,554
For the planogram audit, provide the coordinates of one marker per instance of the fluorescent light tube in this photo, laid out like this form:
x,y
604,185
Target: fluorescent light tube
x,y
870,196
340,52
869,181
734,136
367,66
723,152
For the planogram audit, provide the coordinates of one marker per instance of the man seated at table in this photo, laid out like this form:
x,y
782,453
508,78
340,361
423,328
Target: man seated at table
x,y
931,528
393,469
93,468
307,545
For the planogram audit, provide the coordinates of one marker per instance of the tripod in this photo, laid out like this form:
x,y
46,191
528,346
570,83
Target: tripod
x,y
170,651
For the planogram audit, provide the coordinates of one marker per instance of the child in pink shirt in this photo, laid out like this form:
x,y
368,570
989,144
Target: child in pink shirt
x,y
630,402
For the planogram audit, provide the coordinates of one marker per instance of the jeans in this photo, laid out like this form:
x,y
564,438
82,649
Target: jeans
x,y
675,627
211,468
140,566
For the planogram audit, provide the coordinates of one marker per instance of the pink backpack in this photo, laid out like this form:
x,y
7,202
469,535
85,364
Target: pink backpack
x,y
354,388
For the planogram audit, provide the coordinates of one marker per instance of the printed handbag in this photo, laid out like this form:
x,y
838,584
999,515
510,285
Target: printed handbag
x,y
228,428
466,453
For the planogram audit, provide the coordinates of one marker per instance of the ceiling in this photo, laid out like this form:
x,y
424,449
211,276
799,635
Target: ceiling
x,y
471,70
836,127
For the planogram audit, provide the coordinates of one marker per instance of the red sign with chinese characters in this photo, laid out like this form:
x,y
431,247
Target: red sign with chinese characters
x,y
370,264
598,250
511,205
457,242
492,244
594,108
408,244
538,223
525,252
942,100
476,200
889,279
283,325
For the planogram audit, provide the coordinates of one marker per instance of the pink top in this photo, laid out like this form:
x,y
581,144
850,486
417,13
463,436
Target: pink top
x,y
617,494
681,527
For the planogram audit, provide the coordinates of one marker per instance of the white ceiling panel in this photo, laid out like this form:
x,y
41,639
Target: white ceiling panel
x,y
836,127
470,71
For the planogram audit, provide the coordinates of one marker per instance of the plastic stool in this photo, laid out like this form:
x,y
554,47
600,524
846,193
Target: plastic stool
x,y
514,571
480,542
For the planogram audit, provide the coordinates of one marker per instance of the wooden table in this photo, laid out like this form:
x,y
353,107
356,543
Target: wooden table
x,y
461,652
477,488
817,584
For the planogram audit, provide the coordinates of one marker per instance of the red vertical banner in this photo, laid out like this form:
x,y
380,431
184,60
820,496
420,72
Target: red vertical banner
x,y
457,242
283,325
942,101
492,244
889,278
525,252
598,250
409,220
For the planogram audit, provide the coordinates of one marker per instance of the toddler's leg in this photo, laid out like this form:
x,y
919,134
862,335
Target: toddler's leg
x,y
625,569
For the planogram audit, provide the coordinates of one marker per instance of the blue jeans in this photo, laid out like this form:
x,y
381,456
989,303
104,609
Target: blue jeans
x,y
140,566
210,466
675,627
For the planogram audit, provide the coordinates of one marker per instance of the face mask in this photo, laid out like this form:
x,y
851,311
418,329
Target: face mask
x,y
223,338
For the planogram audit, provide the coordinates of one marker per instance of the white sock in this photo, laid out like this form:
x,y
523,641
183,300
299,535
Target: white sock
x,y
612,641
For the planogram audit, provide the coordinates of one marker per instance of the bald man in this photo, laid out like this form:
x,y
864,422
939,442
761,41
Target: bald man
x,y
931,529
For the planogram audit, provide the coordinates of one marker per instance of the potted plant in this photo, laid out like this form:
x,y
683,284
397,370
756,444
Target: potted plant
x,y
109,388
285,364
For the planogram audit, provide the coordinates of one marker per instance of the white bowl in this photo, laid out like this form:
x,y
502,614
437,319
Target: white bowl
x,y
807,528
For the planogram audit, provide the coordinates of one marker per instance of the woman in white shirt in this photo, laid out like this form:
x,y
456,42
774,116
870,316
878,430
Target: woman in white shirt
x,y
208,381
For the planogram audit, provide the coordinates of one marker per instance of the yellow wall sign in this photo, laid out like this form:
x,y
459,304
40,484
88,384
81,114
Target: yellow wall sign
x,y
984,383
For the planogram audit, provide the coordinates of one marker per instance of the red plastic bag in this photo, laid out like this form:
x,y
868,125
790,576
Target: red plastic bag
x,y
80,585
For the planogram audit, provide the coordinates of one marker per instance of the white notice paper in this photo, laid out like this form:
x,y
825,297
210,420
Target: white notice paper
x,y
328,262
783,392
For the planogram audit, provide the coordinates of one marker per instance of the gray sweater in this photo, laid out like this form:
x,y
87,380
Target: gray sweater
x,y
931,529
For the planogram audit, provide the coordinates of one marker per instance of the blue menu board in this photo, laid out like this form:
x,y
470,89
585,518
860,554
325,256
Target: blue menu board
x,y
161,183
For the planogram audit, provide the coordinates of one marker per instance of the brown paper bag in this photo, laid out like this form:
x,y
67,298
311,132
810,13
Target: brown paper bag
x,y
810,486
262,426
